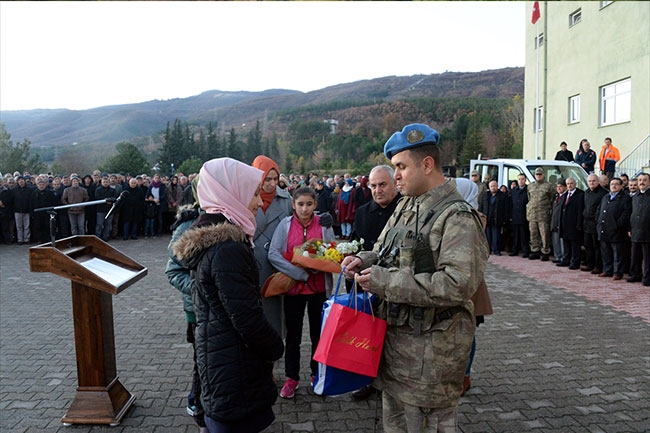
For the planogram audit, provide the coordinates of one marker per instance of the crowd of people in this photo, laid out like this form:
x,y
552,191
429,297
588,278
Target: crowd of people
x,y
426,241
148,206
604,230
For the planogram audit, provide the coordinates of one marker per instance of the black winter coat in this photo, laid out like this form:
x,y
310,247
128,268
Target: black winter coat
x,y
640,219
614,218
518,202
571,220
556,212
7,199
22,199
497,212
132,209
370,219
102,193
592,204
235,344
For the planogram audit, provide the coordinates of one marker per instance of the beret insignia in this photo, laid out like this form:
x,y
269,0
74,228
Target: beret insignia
x,y
414,136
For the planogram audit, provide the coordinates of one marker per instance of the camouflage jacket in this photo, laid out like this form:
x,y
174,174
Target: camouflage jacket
x,y
540,200
426,368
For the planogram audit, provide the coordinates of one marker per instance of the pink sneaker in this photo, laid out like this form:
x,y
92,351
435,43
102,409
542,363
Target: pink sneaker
x,y
289,388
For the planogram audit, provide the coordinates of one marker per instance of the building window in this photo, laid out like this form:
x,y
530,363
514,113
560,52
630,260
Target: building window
x,y
539,40
574,109
538,116
616,102
575,18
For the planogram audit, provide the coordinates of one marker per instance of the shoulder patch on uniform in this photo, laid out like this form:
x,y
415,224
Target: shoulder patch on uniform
x,y
463,206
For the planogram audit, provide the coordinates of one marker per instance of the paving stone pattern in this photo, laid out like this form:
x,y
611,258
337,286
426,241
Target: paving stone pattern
x,y
552,358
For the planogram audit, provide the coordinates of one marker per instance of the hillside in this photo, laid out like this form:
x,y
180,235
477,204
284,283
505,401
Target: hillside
x,y
351,102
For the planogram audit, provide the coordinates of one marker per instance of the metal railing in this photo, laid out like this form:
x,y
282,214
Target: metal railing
x,y
637,160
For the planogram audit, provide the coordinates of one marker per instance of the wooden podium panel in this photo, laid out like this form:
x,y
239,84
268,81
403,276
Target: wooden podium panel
x,y
97,272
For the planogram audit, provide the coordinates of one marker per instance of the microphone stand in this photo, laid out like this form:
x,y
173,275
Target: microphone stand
x,y
52,211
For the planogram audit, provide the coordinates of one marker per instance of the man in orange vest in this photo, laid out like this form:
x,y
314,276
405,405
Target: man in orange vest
x,y
609,155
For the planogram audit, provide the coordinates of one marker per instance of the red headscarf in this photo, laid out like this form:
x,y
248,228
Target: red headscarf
x,y
266,164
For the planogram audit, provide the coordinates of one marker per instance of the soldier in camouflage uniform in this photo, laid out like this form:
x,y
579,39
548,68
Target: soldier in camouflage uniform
x,y
424,268
538,214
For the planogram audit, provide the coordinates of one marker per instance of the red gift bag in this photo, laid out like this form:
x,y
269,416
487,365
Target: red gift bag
x,y
352,341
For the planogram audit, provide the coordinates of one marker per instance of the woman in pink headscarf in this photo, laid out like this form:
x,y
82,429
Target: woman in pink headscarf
x,y
235,344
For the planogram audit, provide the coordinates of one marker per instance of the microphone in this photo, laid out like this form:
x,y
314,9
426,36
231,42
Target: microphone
x,y
116,204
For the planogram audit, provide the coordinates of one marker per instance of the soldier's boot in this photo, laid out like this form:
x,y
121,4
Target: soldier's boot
x,y
534,255
545,257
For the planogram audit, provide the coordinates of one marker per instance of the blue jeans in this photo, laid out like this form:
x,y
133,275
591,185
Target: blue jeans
x,y
130,229
103,229
150,227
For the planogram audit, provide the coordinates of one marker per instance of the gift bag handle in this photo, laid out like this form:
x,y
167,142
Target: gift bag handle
x,y
354,293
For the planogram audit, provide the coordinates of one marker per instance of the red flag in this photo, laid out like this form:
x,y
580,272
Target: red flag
x,y
536,13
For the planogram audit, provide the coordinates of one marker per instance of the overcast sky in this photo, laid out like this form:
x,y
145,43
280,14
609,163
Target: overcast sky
x,y
81,55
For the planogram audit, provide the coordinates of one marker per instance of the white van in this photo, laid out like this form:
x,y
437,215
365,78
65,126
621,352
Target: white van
x,y
505,171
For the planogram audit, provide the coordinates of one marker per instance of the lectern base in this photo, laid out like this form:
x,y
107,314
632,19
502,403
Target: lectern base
x,y
99,405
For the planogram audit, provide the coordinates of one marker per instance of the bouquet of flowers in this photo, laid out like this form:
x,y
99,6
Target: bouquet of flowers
x,y
324,256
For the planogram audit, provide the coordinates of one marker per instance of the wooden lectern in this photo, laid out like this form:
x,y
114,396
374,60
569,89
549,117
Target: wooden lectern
x,y
97,272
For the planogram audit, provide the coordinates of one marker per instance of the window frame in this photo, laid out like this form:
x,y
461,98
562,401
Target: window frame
x,y
617,104
575,17
574,109
538,118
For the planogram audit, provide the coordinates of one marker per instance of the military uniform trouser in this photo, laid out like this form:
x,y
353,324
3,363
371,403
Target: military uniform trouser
x,y
540,236
400,417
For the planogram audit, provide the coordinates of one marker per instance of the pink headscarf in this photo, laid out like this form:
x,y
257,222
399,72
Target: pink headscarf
x,y
227,186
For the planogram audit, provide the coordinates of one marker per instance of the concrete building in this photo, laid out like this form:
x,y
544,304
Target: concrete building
x,y
589,78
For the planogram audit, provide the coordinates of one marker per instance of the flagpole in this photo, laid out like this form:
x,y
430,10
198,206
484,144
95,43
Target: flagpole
x,y
536,123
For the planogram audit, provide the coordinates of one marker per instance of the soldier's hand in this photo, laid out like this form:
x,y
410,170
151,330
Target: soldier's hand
x,y
352,265
363,279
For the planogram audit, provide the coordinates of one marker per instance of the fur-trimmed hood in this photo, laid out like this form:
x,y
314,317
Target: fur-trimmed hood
x,y
199,237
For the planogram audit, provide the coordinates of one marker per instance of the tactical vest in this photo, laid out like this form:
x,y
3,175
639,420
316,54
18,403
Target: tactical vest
x,y
403,247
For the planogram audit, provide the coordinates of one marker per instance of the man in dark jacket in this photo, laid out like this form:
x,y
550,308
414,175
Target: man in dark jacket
x,y
518,221
640,232
571,225
613,224
103,192
493,206
563,154
592,197
41,197
7,210
371,218
22,197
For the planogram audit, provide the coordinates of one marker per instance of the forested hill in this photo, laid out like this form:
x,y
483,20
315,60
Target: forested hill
x,y
353,104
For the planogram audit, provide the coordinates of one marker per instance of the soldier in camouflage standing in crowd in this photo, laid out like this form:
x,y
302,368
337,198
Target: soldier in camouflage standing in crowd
x,y
538,214
424,268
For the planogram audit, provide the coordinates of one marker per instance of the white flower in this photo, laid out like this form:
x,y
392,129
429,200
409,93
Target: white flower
x,y
348,247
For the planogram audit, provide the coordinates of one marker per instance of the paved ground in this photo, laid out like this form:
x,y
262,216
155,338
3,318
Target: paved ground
x,y
563,352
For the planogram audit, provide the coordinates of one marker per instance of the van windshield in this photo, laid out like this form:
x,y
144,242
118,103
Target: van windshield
x,y
555,172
